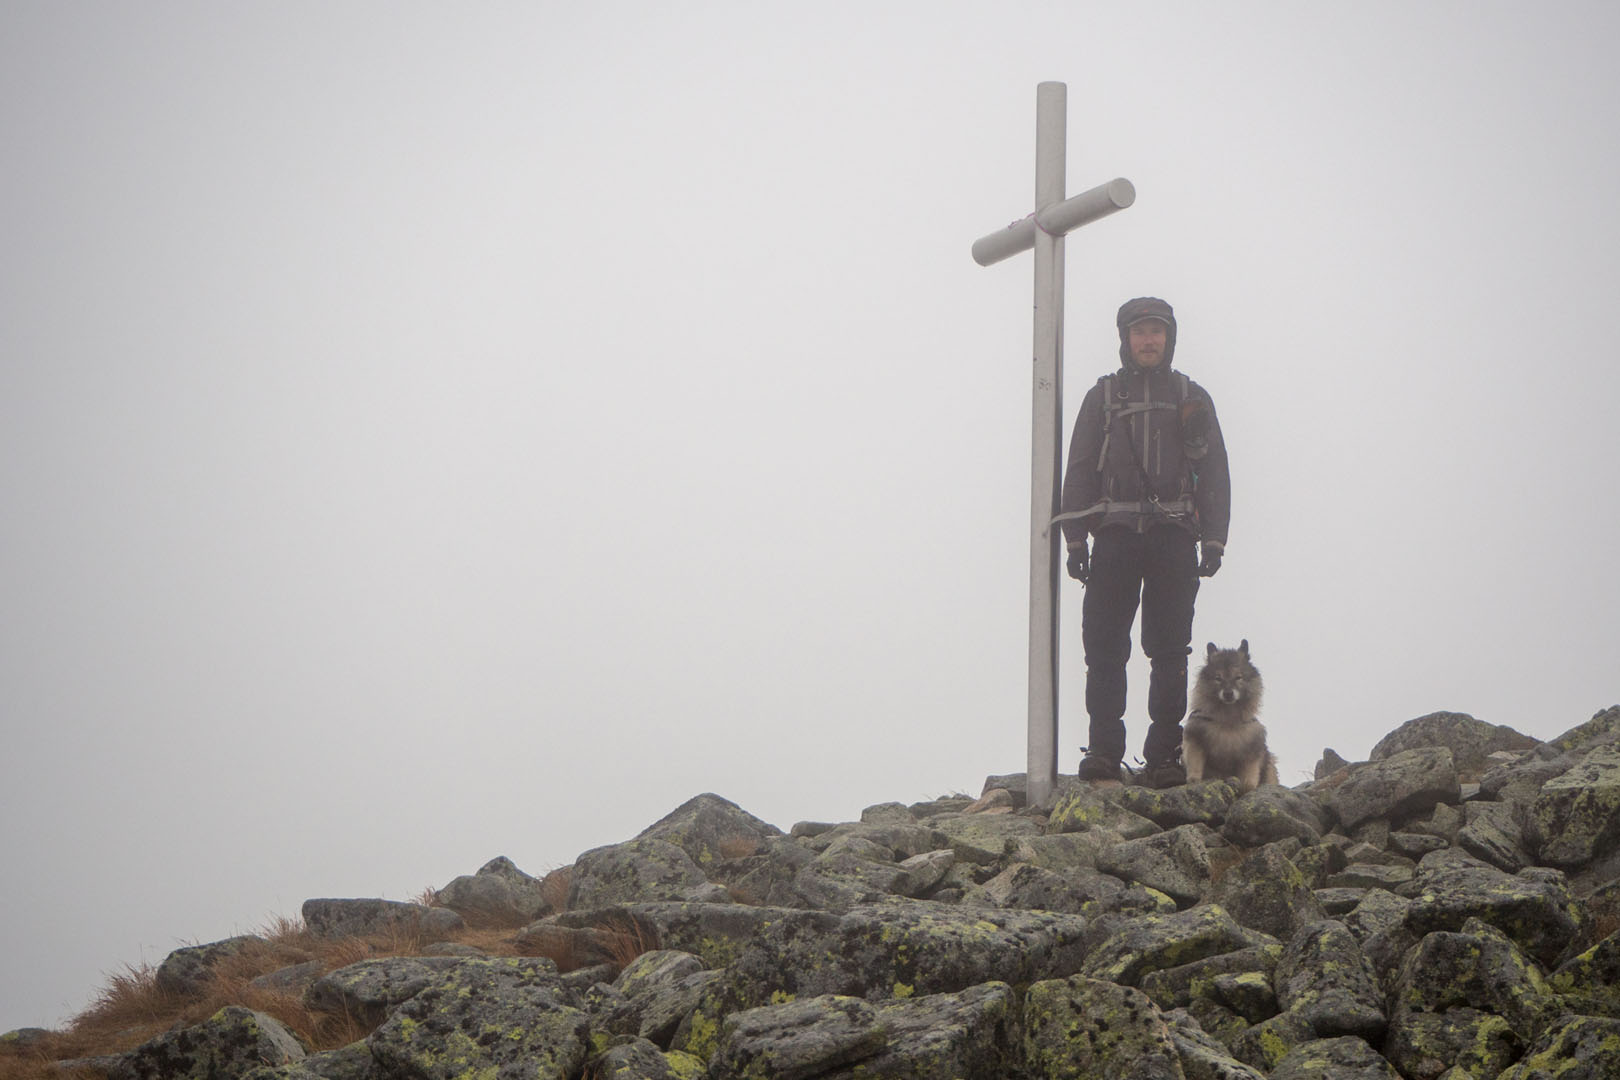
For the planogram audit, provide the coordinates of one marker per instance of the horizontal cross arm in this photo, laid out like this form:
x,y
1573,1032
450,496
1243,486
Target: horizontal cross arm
x,y
1057,219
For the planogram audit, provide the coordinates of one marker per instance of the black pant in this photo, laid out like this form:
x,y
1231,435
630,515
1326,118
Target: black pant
x,y
1157,569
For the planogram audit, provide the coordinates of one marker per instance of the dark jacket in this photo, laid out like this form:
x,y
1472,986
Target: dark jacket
x,y
1162,425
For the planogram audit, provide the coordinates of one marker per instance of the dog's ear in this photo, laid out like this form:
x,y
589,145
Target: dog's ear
x,y
1244,648
1212,650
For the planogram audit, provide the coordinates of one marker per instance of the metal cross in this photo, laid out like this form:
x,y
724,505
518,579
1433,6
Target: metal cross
x,y
1044,230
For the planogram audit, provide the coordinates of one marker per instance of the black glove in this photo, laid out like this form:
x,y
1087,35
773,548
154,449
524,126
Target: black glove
x,y
1079,568
1210,562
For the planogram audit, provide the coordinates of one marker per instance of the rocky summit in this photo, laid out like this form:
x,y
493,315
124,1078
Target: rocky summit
x,y
1448,910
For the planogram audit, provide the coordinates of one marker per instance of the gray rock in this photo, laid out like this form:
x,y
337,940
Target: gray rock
x,y
924,872
943,1035
636,1059
1602,730
798,1040
1150,943
486,1017
368,989
1270,813
229,1043
1081,1027
352,1062
1324,977
1086,808
1343,1058
1415,845
1494,833
1403,785
293,979
1265,1044
1577,815
327,917
633,872
1177,987
1572,1048
186,972
1175,863
499,894
1520,782
1476,968
1470,741
1539,916
658,989
983,839
1371,876
1084,892
1204,803
1329,763
1590,982
1267,892
1340,901
712,831
1063,852
889,813
1202,1057
769,876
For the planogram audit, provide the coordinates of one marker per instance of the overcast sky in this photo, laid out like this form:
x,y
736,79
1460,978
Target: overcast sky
x,y
431,432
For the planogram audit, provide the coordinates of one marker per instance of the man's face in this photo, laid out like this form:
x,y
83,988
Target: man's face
x,y
1147,338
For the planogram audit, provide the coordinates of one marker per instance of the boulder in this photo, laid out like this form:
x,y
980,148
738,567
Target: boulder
x,y
1270,813
1202,1056
229,1043
327,917
1079,1027
1470,741
499,894
1572,1048
1344,1058
1539,916
1151,943
1267,892
1175,863
1086,808
186,972
1177,987
1324,977
943,1035
1204,803
369,989
712,830
1403,785
1590,982
1494,833
798,1040
633,872
1576,817
486,1017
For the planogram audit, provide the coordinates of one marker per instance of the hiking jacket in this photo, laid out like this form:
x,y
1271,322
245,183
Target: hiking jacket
x,y
1152,428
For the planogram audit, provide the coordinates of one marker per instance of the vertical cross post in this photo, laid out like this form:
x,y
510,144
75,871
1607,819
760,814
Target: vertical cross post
x,y
1044,230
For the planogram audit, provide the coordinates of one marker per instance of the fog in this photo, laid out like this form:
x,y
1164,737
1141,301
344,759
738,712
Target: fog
x,y
432,433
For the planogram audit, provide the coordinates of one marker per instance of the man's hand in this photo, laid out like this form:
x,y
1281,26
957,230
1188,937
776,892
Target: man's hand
x,y
1079,567
1210,561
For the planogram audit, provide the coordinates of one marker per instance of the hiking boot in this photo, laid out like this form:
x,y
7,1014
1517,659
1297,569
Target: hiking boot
x,y
1166,774
1098,767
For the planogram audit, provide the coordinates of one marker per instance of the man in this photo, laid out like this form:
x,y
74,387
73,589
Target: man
x,y
1147,485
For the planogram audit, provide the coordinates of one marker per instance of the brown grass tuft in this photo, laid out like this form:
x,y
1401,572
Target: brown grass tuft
x,y
554,887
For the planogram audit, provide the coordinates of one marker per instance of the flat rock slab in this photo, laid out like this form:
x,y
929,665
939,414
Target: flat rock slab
x,y
229,1043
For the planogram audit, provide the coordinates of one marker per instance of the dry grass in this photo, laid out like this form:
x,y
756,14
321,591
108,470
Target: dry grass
x,y
131,1009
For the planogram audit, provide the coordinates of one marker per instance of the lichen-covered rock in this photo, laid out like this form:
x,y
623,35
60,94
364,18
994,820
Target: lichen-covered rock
x,y
328,917
187,971
712,830
851,871
1267,892
924,872
718,933
1175,863
1572,1048
633,872
1204,803
1080,1027
1087,808
368,989
1470,741
498,894
1156,942
1265,1044
1269,814
1024,886
983,839
1602,730
1577,815
1495,833
1323,976
229,1043
1537,915
1176,987
797,1040
639,1059
486,1017
1590,983
352,1062
1402,785
1249,994
966,1034
655,992
1520,781
1386,876
1342,1058
1479,968
1202,1056
1423,1045
1062,852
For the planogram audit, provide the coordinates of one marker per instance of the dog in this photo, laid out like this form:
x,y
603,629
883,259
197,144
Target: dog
x,y
1222,738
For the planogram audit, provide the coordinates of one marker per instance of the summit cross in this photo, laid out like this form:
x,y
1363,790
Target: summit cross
x,y
1044,229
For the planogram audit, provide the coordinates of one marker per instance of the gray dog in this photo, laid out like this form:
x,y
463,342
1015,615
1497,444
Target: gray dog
x,y
1222,738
